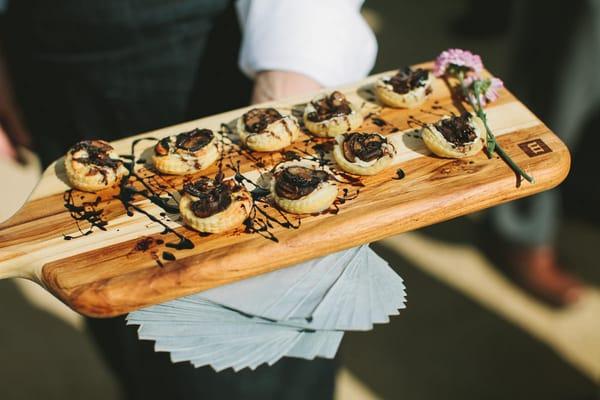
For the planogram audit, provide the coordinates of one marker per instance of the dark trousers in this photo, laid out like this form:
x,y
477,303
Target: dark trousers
x,y
112,68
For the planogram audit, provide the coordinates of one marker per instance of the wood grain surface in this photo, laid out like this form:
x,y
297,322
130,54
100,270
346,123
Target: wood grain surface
x,y
122,266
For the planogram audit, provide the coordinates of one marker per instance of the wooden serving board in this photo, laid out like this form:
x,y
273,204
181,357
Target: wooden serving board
x,y
124,263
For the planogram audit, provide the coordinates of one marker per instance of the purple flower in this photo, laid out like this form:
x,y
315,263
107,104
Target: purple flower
x,y
488,88
457,59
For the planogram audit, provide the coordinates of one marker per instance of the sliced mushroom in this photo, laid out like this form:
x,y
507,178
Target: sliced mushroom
x,y
327,107
457,130
365,146
194,140
257,119
297,181
408,79
212,197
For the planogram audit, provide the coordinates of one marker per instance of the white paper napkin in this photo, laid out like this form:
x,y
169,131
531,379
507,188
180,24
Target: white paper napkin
x,y
300,311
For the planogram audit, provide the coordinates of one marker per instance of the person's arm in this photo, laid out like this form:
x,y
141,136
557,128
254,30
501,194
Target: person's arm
x,y
291,47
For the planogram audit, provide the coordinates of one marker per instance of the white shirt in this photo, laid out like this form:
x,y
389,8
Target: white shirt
x,y
327,40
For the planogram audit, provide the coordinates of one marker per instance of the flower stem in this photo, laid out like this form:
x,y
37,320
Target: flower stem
x,y
500,151
492,144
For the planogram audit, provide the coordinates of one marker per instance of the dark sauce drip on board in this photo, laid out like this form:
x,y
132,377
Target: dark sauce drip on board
x,y
290,156
432,112
381,123
346,196
234,148
148,244
415,122
321,150
260,221
127,195
399,174
85,212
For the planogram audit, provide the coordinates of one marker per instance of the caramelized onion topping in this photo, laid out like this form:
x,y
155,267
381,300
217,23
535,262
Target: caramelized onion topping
x,y
213,196
365,146
334,105
97,154
257,119
408,79
190,141
296,181
457,129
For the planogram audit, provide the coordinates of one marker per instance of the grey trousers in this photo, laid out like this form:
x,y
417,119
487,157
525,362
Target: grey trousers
x,y
556,73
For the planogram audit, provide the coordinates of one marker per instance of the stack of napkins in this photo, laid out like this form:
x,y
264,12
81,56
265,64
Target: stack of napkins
x,y
300,311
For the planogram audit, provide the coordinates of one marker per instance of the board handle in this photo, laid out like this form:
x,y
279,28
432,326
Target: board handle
x,y
12,266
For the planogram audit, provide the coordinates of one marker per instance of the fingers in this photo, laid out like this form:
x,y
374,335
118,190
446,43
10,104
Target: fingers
x,y
274,85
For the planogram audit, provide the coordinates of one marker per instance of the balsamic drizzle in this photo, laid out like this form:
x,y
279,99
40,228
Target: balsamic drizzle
x,y
88,211
264,217
262,223
127,194
380,122
399,174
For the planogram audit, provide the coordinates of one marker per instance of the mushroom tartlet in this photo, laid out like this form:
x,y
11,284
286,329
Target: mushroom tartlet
x,y
302,190
331,115
455,136
214,206
363,153
407,89
93,165
186,152
266,129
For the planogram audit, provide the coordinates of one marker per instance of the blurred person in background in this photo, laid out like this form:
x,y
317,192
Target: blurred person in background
x,y
108,69
554,71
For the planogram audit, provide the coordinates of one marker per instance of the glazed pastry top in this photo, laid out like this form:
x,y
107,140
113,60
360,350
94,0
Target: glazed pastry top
x,y
407,79
96,153
189,142
257,119
295,182
364,146
211,196
457,130
329,106
96,157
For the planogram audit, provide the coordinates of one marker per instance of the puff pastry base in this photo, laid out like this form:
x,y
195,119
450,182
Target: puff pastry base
x,y
360,167
181,162
333,126
275,136
228,219
318,200
438,145
414,98
87,177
